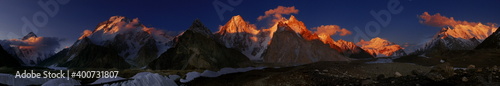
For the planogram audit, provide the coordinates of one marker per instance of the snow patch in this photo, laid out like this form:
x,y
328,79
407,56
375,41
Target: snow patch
x,y
458,68
106,80
207,73
54,67
190,76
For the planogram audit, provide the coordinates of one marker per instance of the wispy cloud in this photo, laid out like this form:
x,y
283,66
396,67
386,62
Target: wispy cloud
x,y
330,30
277,13
437,20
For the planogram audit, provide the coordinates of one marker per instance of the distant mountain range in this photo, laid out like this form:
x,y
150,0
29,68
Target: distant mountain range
x,y
457,39
31,49
126,43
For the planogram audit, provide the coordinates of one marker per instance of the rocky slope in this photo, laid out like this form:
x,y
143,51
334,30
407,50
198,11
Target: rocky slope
x,y
197,49
492,42
352,50
346,48
287,46
244,37
7,60
356,74
88,55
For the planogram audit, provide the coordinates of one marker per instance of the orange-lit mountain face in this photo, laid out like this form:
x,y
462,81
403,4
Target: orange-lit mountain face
x,y
478,31
288,46
347,48
238,25
295,25
455,34
252,42
244,37
381,47
459,29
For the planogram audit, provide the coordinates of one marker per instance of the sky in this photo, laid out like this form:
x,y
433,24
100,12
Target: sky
x,y
175,16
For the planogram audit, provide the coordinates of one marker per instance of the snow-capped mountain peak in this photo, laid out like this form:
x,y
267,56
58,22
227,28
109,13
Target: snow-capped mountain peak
x,y
31,34
31,49
460,37
292,18
129,37
296,25
468,32
243,36
380,47
238,25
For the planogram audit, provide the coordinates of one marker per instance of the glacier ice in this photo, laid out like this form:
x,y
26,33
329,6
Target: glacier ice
x,y
106,80
10,80
147,79
190,76
207,73
61,82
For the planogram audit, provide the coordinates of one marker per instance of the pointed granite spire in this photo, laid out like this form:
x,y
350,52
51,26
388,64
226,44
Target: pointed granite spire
x,y
198,27
29,35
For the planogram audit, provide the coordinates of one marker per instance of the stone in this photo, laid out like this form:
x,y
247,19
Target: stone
x,y
471,67
464,79
398,74
494,68
417,72
381,76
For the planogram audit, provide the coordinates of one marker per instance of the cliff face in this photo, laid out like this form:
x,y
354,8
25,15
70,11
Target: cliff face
x,y
287,46
196,49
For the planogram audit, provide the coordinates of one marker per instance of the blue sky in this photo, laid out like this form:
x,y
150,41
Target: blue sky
x,y
177,15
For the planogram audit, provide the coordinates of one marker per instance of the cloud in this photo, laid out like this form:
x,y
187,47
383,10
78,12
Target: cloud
x,y
363,42
331,30
437,20
276,14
